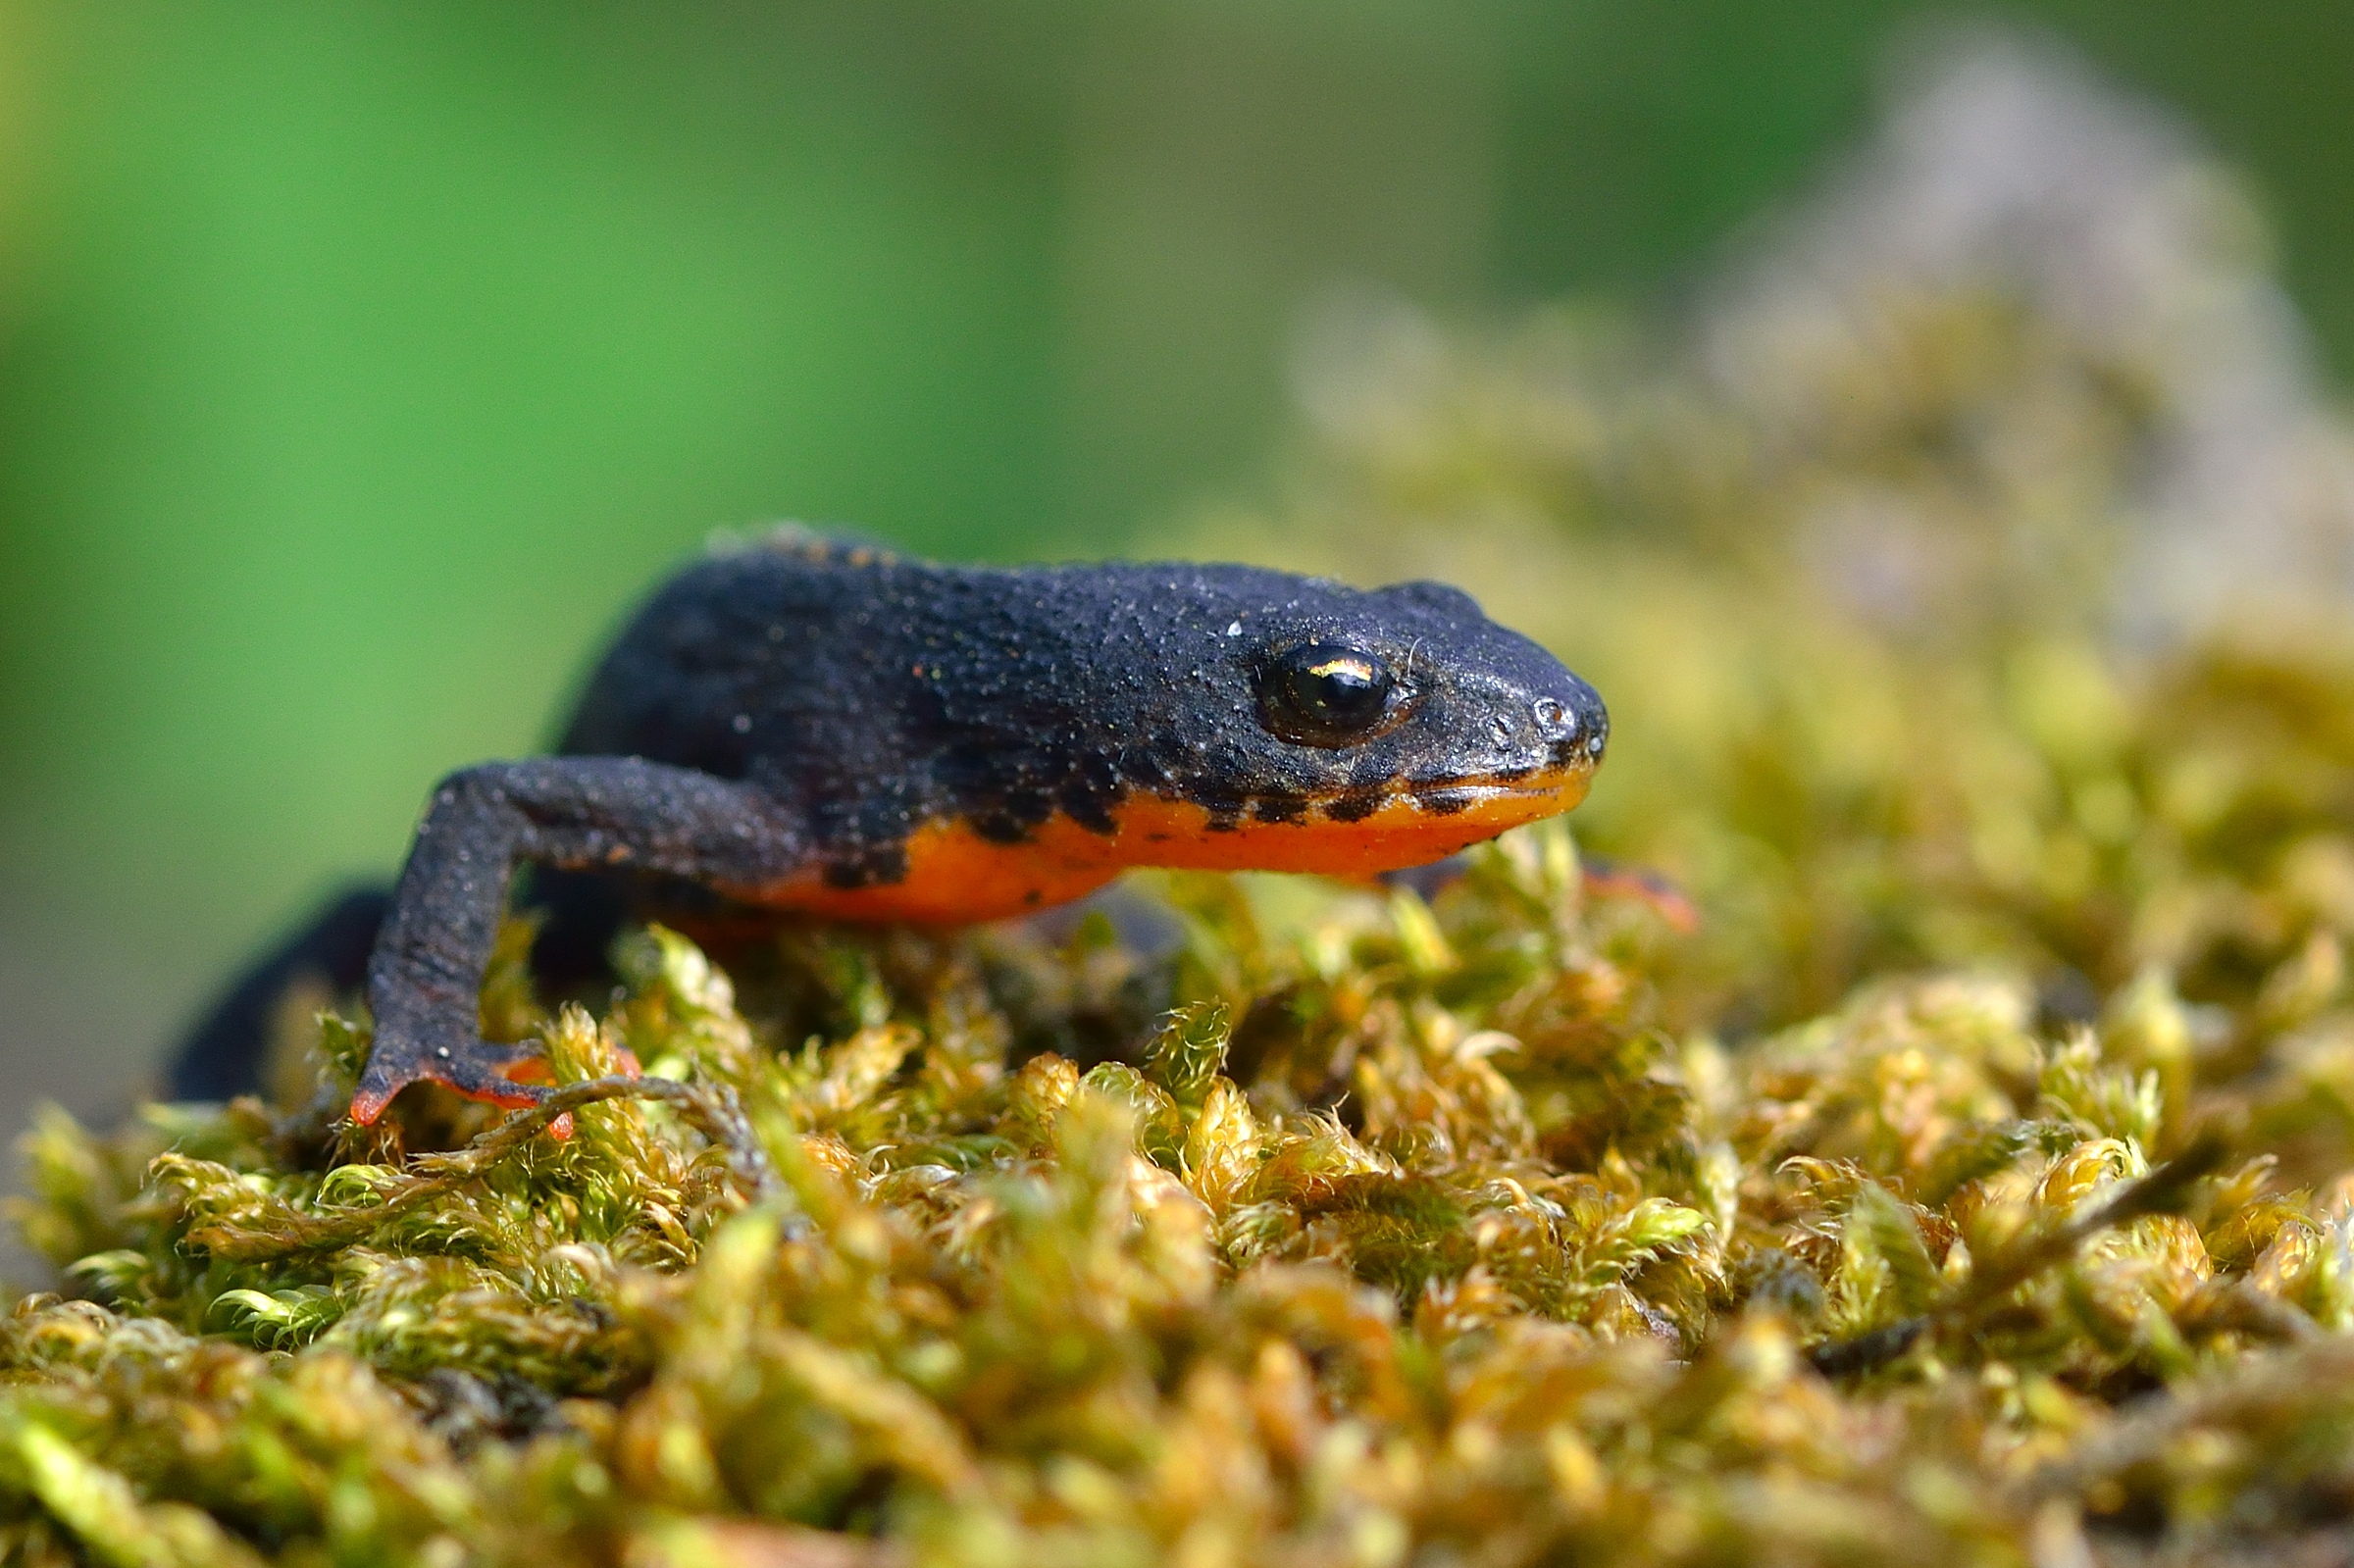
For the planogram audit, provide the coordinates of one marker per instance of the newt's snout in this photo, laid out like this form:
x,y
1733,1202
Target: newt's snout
x,y
1569,731
1576,729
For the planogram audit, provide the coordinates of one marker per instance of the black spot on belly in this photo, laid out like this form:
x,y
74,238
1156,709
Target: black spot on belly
x,y
1277,808
1090,808
1353,808
999,830
868,868
1445,802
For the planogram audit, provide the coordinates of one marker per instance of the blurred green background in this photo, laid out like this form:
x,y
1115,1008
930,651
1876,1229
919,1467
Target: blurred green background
x,y
363,360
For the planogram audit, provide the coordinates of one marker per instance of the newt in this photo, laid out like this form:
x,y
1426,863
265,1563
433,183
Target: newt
x,y
806,723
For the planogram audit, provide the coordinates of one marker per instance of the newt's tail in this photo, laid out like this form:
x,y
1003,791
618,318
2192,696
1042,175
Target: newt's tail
x,y
225,1054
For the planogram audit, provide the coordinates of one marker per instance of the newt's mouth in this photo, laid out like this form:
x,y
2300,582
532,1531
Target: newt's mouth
x,y
1447,801
1351,832
1509,800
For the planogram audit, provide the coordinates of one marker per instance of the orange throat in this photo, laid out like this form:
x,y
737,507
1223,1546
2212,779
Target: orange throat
x,y
955,876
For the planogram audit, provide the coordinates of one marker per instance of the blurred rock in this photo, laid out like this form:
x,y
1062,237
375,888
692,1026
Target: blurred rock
x,y
2004,172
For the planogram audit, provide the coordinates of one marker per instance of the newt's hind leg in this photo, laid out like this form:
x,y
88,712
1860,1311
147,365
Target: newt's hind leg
x,y
572,813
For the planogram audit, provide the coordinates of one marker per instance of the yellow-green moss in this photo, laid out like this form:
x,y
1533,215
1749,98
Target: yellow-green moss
x,y
1469,1258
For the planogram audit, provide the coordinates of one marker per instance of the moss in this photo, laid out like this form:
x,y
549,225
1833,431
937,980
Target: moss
x,y
1518,1273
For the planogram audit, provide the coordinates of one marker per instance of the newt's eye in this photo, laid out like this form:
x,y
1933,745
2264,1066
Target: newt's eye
x,y
1330,694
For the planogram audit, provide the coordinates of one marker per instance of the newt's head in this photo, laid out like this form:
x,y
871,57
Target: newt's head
x,y
1320,728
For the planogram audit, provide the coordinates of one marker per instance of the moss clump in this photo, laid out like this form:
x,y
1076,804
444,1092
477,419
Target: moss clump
x,y
1391,1232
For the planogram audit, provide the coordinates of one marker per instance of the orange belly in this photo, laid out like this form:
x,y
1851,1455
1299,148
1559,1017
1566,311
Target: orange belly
x,y
955,876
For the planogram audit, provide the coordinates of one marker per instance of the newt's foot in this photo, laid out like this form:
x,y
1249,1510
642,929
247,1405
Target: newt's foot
x,y
1611,879
473,1068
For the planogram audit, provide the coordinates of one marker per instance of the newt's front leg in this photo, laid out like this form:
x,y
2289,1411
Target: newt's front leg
x,y
576,813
